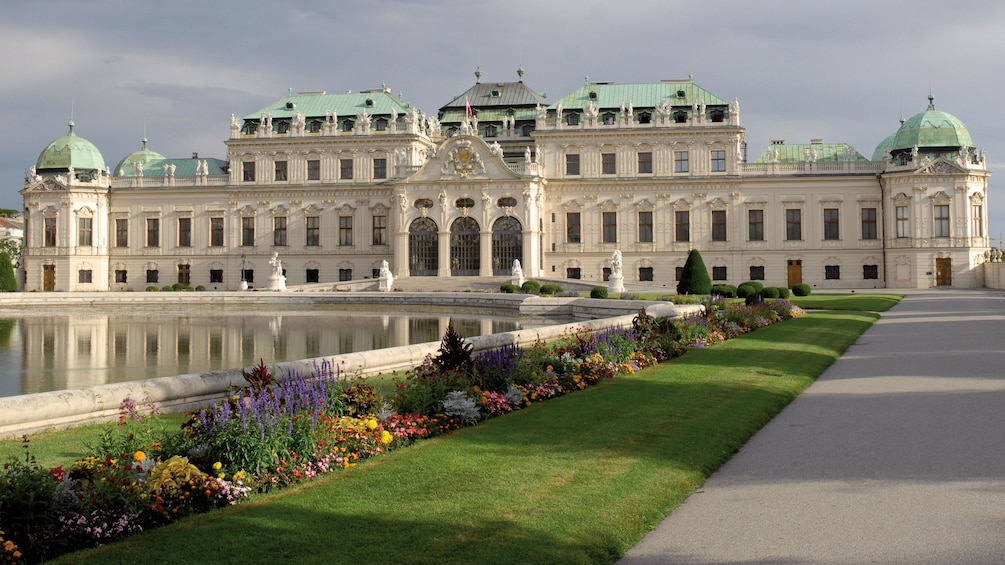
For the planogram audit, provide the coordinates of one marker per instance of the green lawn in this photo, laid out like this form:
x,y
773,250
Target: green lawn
x,y
578,479
868,302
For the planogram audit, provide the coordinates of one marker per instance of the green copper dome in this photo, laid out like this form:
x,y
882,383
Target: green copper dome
x,y
144,155
932,129
70,151
884,146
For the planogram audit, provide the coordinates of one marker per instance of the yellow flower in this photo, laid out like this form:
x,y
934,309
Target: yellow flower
x,y
385,437
222,476
139,456
371,423
8,545
217,466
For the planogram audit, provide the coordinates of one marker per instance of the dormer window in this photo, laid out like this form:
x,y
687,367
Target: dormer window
x,y
572,119
490,131
250,128
282,127
381,124
290,105
369,102
315,127
680,117
593,95
645,117
347,125
681,94
528,129
718,115
609,119
495,94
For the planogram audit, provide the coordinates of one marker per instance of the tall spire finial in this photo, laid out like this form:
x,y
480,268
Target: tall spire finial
x,y
478,74
586,78
931,100
519,72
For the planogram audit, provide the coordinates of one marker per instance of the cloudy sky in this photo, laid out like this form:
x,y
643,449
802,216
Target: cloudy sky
x,y
843,72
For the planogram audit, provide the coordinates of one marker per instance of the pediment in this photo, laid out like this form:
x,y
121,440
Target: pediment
x,y
941,167
462,158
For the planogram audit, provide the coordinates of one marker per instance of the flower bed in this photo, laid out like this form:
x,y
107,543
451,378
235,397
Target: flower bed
x,y
278,432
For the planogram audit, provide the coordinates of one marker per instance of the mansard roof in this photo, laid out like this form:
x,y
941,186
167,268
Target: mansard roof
x,y
609,95
319,104
491,101
797,152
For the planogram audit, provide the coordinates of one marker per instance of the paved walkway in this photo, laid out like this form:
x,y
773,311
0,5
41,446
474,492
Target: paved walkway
x,y
895,455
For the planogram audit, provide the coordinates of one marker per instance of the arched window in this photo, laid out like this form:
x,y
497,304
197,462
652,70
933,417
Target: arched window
x,y
423,254
465,248
507,245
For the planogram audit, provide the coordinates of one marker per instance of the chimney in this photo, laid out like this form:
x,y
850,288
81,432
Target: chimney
x,y
195,155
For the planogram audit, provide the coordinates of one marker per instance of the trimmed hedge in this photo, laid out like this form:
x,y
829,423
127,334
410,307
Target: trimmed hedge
x,y
152,288
724,290
598,292
783,293
694,279
509,288
770,292
531,287
802,289
550,289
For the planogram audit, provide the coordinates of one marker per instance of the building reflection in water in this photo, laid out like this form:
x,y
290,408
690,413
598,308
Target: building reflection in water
x,y
46,352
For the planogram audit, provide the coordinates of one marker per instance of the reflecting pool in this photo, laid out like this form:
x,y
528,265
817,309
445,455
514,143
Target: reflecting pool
x,y
47,349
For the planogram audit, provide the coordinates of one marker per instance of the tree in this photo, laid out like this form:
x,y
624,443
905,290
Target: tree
x,y
694,279
12,246
8,282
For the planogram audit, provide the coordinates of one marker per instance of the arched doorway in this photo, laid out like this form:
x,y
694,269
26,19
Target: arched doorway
x,y
465,250
507,245
423,256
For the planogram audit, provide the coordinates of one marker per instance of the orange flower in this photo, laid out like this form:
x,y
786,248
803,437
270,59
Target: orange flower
x,y
139,456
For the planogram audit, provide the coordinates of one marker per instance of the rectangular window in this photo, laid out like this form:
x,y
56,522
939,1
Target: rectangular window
x,y
757,272
572,164
312,275
645,227
869,228
380,230
682,225
280,171
942,220
313,169
718,161
832,272
680,161
718,225
678,273
345,169
248,231
248,171
120,276
572,228
84,276
345,230
755,225
903,221
153,232
279,231
50,232
85,231
185,274
345,274
793,224
645,273
610,221
313,231
216,275
832,225
607,164
645,163
573,273
184,232
216,232
718,273
380,168
152,275
978,211
121,233
870,271
248,275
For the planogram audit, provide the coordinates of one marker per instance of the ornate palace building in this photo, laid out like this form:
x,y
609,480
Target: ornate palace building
x,y
338,183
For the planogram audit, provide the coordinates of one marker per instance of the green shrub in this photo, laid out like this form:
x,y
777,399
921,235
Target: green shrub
x,y
770,292
694,279
181,287
745,291
200,288
8,282
724,290
550,289
509,288
758,286
598,292
783,292
531,287
801,289
152,288
167,288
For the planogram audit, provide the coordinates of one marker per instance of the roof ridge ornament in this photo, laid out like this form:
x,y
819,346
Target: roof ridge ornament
x,y
931,101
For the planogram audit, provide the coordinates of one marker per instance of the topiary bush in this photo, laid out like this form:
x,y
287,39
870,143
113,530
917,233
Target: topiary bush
x,y
746,291
531,287
598,292
801,289
509,288
200,288
152,288
550,289
770,292
724,290
167,288
783,292
758,286
694,279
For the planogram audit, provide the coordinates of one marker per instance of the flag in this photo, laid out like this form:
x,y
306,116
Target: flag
x,y
467,106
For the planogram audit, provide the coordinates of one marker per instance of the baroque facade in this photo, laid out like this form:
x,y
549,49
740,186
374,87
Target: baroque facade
x,y
338,183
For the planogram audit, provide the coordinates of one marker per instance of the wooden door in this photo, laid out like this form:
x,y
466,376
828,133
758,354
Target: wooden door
x,y
49,278
944,272
795,272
